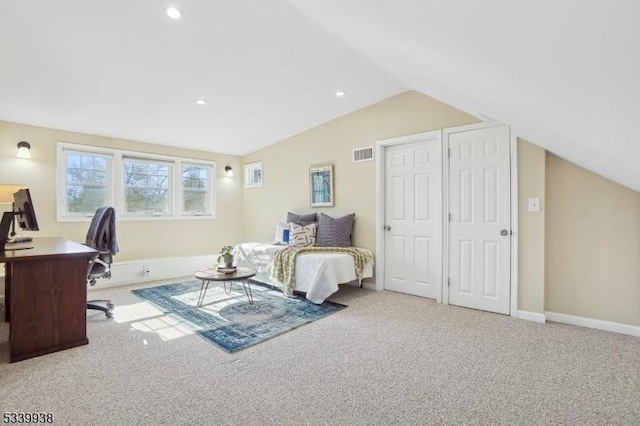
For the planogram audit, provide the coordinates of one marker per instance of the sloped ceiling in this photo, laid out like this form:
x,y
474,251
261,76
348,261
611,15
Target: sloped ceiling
x,y
564,74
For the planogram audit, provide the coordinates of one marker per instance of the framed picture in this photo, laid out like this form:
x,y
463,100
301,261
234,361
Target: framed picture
x,y
321,186
253,175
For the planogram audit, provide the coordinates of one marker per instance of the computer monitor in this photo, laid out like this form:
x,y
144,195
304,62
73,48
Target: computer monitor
x,y
26,217
23,210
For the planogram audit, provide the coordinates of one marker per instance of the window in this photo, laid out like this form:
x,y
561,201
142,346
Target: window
x,y
147,187
87,182
141,186
195,189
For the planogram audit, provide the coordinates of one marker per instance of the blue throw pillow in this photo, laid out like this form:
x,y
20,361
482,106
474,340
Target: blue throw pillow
x,y
280,230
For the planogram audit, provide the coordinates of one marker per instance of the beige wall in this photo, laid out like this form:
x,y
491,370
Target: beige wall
x,y
593,245
531,225
286,164
137,239
579,256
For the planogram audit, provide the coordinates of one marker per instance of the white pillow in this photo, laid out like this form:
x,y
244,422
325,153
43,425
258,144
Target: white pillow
x,y
302,236
279,237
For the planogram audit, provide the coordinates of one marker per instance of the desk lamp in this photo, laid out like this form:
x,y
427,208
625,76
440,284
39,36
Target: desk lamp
x,y
6,197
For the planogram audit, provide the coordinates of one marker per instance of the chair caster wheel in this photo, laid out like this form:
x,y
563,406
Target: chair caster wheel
x,y
109,314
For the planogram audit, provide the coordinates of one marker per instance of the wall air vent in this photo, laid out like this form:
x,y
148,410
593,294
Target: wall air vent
x,y
363,154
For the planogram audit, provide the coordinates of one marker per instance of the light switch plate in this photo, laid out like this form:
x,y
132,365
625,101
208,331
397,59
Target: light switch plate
x,y
534,205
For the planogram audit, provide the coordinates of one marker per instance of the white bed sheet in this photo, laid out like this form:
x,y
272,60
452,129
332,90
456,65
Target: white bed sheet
x,y
317,274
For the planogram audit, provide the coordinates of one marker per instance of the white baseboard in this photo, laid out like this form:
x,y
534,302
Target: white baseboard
x,y
631,330
131,272
369,285
531,316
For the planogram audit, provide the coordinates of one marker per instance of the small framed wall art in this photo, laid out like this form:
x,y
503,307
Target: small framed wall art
x,y
253,176
321,186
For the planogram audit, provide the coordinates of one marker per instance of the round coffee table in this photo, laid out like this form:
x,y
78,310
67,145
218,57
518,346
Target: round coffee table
x,y
213,275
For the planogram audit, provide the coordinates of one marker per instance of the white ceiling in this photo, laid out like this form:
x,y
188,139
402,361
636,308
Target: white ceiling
x,y
565,74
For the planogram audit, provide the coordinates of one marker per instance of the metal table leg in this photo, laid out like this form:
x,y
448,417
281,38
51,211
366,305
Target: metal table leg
x,y
245,284
203,292
224,283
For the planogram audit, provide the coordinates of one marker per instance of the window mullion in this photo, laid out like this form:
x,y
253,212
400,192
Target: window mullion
x,y
178,190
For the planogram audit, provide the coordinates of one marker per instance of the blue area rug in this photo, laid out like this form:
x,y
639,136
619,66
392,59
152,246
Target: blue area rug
x,y
228,320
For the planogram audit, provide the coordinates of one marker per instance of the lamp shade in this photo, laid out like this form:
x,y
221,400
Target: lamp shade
x,y
6,192
24,150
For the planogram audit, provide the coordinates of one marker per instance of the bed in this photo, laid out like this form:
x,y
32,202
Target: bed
x,y
317,272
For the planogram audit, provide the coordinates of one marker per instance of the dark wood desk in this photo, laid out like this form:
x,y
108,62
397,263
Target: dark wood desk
x,y
46,296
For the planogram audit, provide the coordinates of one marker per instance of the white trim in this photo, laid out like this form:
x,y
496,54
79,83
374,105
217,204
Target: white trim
x,y
445,217
369,285
530,316
514,221
131,272
632,330
475,126
380,195
379,216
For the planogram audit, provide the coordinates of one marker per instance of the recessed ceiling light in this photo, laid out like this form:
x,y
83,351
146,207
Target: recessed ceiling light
x,y
201,101
340,93
173,12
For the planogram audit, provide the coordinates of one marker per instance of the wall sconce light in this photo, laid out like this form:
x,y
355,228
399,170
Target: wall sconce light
x,y
229,171
24,150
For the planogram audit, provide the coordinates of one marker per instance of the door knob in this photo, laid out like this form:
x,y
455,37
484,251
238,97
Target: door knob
x,y
387,228
504,232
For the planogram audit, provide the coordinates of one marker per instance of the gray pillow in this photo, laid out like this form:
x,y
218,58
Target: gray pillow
x,y
297,218
334,232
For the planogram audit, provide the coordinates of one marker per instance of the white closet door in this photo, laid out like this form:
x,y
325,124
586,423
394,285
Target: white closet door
x,y
480,222
413,224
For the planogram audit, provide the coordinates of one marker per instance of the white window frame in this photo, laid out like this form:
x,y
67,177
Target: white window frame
x,y
115,195
171,187
61,176
179,194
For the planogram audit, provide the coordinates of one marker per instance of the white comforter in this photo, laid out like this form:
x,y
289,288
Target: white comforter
x,y
317,274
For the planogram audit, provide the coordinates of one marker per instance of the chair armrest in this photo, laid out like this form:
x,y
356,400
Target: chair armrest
x,y
104,251
102,262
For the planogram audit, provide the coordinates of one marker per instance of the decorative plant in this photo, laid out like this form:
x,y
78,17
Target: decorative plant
x,y
225,254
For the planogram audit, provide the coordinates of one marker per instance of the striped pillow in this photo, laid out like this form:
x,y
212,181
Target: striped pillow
x,y
335,232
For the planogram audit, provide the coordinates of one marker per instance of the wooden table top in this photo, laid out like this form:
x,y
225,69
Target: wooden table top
x,y
41,248
212,274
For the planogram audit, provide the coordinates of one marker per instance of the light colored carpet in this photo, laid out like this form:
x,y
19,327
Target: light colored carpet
x,y
387,359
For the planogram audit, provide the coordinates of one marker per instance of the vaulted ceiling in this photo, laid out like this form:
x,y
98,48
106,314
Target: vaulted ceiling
x,y
564,74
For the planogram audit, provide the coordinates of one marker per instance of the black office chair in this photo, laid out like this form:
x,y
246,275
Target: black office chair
x,y
102,237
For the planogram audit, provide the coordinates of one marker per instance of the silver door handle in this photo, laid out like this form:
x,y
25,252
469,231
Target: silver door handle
x,y
504,232
387,228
